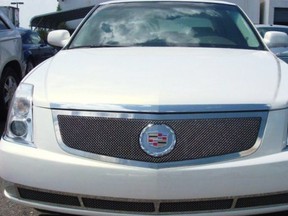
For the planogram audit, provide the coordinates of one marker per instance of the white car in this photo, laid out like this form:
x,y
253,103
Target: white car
x,y
11,62
152,108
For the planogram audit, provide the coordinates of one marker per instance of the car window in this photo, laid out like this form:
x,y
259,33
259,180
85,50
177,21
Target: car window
x,y
245,29
30,37
167,24
35,38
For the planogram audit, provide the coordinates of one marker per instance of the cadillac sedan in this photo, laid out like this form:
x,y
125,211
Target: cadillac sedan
x,y
152,108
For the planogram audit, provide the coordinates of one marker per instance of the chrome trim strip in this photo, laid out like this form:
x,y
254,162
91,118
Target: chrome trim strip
x,y
263,115
163,108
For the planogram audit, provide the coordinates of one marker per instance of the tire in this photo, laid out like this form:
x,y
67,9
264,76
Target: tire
x,y
8,85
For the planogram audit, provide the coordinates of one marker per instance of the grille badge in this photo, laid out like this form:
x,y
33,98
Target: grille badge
x,y
157,140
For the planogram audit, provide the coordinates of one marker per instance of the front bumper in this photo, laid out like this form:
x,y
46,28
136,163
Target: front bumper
x,y
45,175
255,182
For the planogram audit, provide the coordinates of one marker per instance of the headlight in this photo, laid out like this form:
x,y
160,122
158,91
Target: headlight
x,y
19,125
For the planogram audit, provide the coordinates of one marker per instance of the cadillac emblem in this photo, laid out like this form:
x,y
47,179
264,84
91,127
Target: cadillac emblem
x,y
157,140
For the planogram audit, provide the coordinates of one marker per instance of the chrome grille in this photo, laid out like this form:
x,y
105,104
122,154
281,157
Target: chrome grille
x,y
196,137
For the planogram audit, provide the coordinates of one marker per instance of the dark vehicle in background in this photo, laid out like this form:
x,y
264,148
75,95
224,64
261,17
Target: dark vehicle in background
x,y
281,52
281,48
11,62
35,49
265,28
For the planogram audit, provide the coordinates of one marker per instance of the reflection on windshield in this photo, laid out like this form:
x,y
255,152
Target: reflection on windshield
x,y
166,24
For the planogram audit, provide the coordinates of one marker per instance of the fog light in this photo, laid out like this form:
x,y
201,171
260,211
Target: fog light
x,y
19,128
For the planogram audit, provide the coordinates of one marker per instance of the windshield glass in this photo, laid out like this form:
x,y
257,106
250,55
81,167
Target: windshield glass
x,y
179,24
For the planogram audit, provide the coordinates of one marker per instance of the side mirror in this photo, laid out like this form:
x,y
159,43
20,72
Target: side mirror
x,y
58,38
276,39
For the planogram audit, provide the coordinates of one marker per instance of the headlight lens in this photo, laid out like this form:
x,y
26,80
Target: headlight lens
x,y
19,126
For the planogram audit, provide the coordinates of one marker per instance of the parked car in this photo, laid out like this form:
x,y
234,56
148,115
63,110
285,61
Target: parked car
x,y
35,49
262,28
152,108
11,62
280,49
282,54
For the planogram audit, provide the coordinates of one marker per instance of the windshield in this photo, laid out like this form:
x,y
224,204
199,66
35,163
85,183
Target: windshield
x,y
179,24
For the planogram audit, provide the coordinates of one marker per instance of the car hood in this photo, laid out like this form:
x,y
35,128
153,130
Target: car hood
x,y
98,78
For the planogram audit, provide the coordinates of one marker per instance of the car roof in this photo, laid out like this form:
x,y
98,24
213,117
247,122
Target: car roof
x,y
196,1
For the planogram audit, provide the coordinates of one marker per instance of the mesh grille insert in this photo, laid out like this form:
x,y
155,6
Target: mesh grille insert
x,y
148,207
262,200
48,197
119,205
196,205
196,138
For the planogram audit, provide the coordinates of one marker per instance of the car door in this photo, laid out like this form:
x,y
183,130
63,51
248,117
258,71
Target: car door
x,y
36,47
10,44
45,50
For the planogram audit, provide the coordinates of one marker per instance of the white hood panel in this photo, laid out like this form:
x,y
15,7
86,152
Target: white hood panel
x,y
161,76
